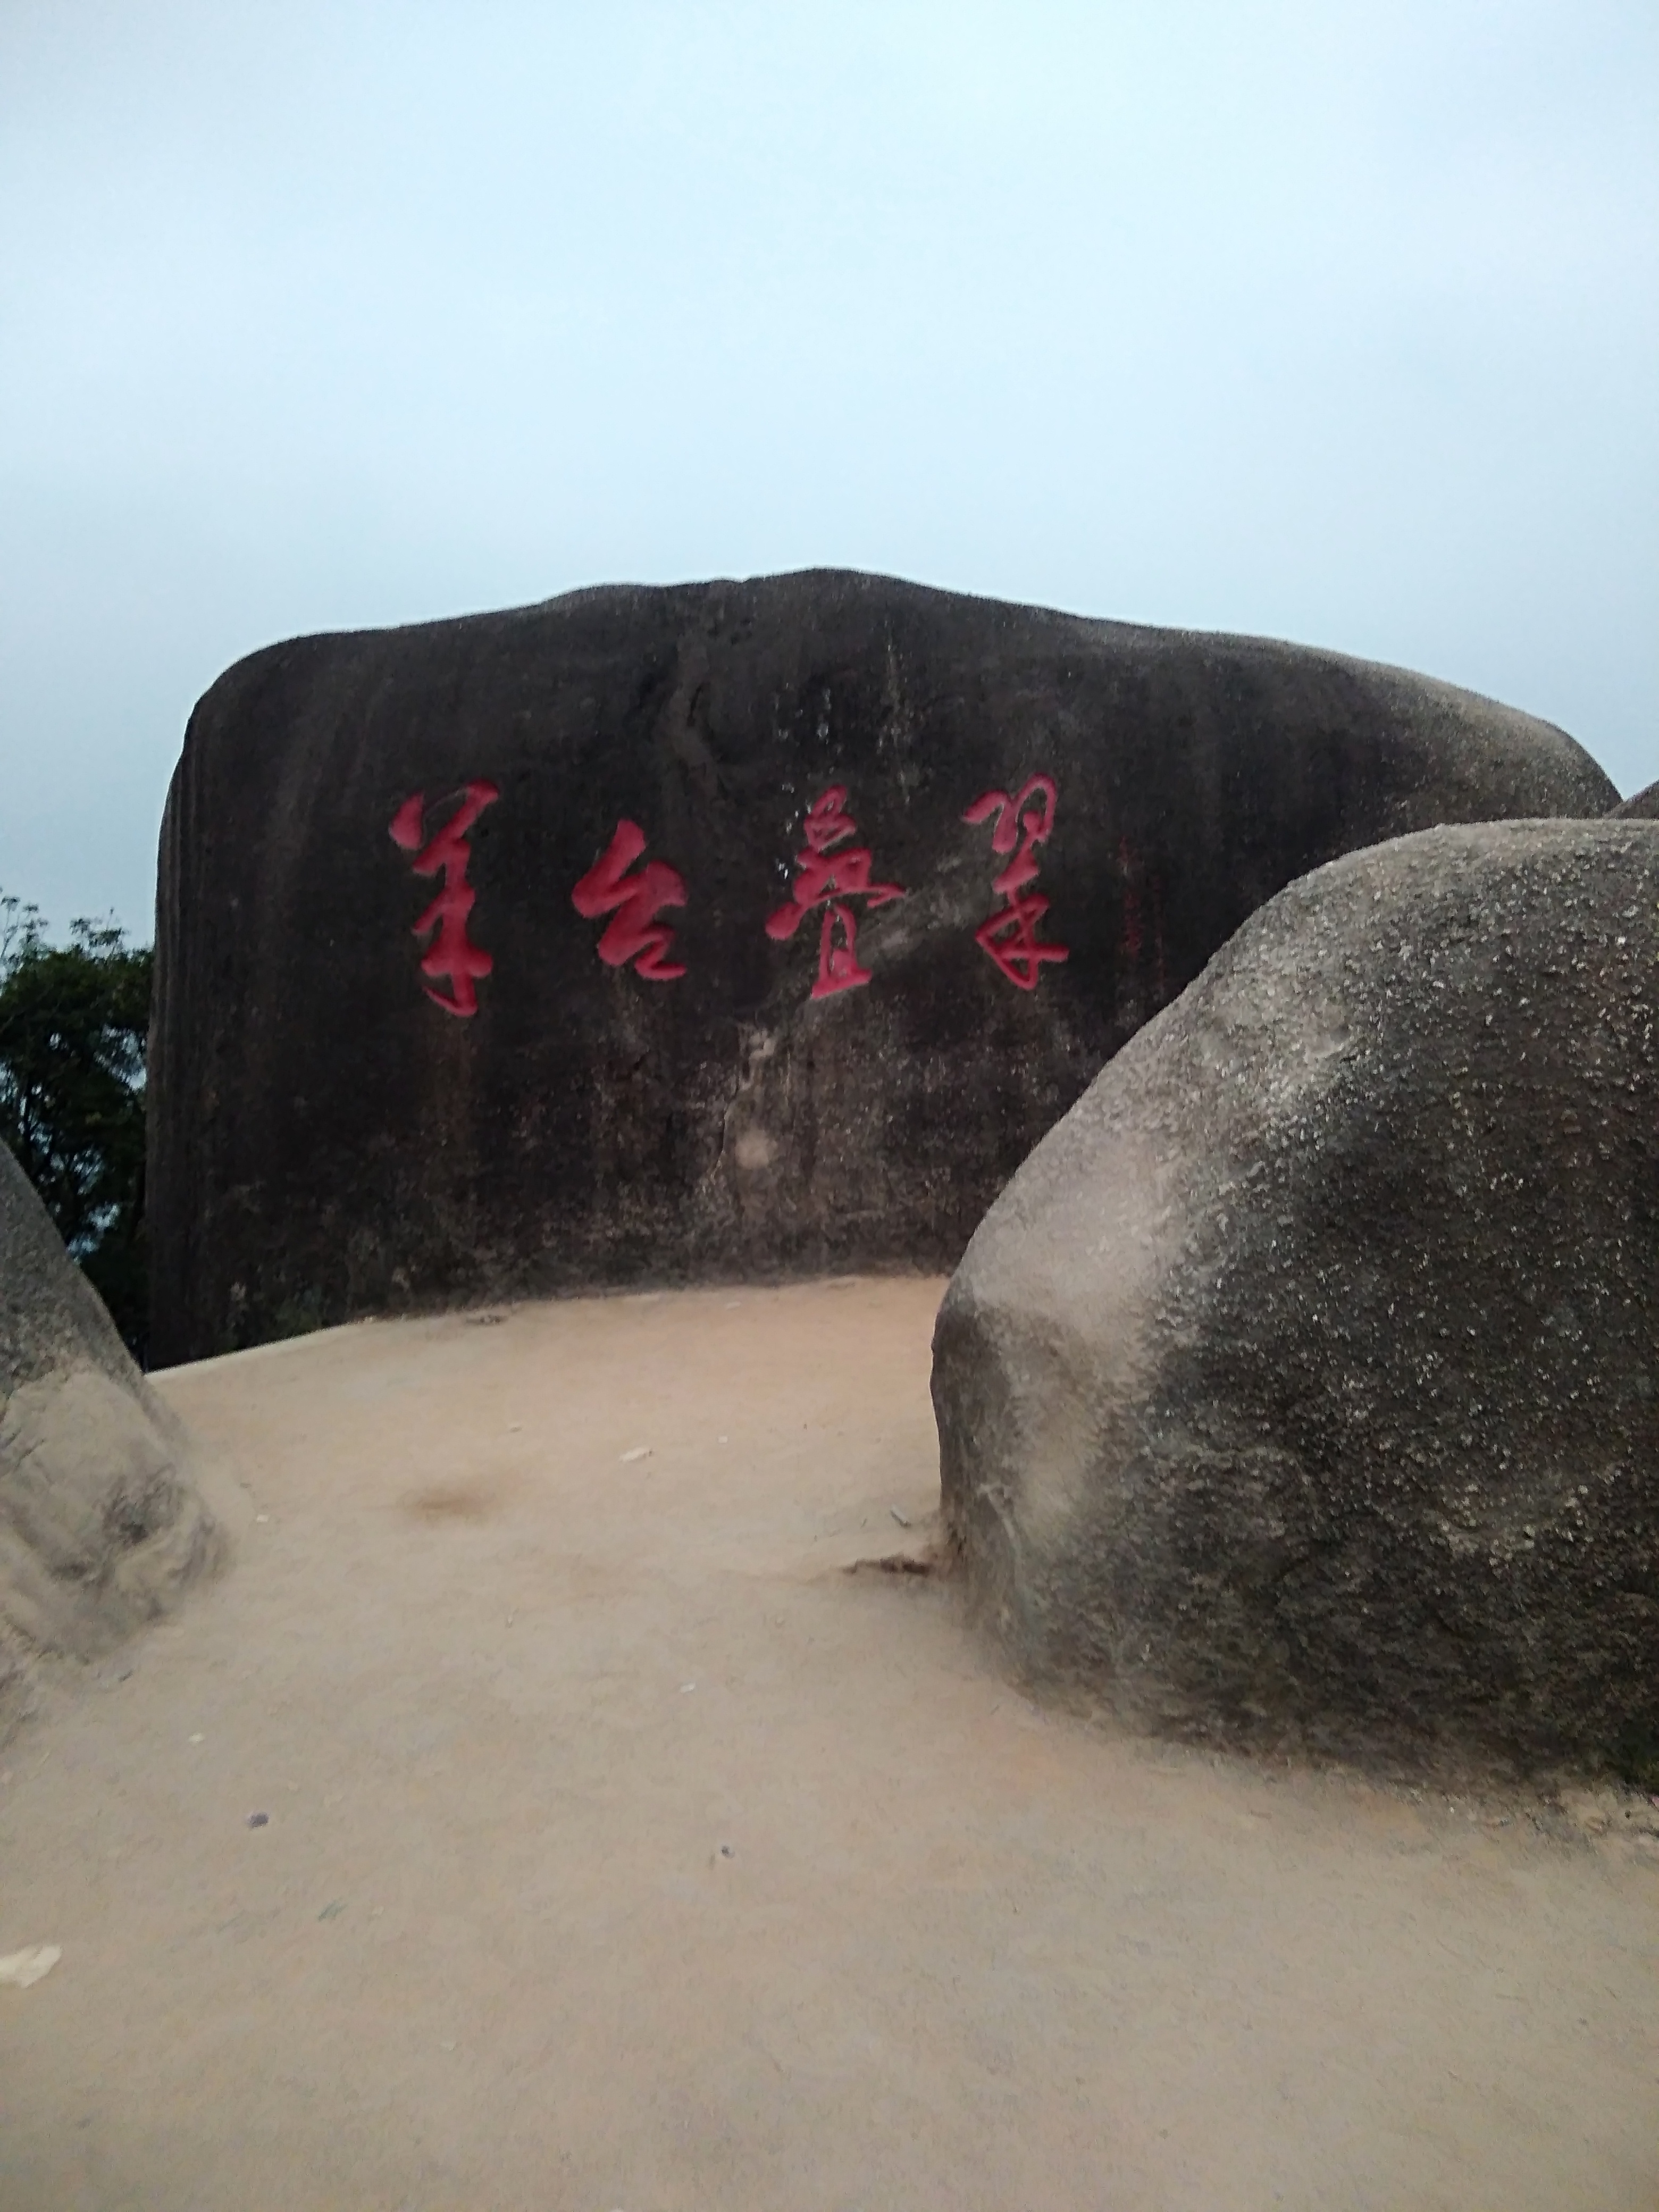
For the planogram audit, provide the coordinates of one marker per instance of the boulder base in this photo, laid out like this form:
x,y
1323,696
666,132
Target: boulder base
x,y
102,1525
1302,1388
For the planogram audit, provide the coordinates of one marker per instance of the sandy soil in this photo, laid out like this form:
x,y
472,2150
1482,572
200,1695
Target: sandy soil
x,y
623,1850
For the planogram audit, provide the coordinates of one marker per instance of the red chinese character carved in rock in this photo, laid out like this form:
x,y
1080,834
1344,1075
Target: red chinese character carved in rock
x,y
1009,935
633,903
451,958
829,879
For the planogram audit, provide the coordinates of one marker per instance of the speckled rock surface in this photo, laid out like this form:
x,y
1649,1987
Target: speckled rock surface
x,y
102,1526
1641,805
1301,1388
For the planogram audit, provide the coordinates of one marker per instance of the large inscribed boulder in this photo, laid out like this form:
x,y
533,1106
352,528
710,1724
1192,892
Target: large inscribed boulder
x,y
1302,1386
721,929
101,1524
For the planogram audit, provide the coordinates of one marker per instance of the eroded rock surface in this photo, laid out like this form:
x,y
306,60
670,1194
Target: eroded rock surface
x,y
664,934
1303,1386
101,1524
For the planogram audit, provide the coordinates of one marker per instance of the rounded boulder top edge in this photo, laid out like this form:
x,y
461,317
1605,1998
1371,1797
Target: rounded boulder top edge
x,y
720,930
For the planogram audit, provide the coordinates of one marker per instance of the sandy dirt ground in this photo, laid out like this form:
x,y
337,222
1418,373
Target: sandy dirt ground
x,y
625,1853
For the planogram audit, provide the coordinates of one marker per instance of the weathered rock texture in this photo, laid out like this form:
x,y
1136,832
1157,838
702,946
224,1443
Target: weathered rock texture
x,y
1302,1386
1641,805
633,1052
102,1526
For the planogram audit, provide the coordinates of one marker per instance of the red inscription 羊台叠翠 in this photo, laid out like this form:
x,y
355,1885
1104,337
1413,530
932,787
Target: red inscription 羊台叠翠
x,y
1009,935
829,879
451,958
633,903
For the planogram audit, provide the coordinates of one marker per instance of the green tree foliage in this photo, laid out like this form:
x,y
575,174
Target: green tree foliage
x,y
73,1023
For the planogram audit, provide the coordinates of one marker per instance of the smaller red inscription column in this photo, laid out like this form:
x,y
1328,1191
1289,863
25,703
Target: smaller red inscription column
x,y
832,879
1009,935
633,903
452,957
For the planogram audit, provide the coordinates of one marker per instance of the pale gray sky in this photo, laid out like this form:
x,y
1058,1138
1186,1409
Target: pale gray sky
x,y
1337,322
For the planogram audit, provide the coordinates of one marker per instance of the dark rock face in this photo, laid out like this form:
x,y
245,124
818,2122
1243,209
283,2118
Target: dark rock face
x,y
1302,1386
101,1527
1640,806
730,929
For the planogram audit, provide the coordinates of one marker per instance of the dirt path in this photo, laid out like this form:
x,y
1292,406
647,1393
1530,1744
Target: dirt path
x,y
623,1852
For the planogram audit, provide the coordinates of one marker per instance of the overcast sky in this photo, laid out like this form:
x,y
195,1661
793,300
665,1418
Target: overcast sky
x,y
1336,322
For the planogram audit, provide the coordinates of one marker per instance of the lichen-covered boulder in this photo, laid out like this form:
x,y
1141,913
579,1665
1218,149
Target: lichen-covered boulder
x,y
1303,1386
728,929
102,1526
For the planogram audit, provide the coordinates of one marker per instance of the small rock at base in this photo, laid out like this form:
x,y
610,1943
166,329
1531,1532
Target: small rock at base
x,y
22,1970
